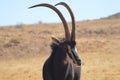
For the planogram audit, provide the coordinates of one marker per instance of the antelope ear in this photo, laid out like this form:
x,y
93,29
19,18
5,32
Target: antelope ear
x,y
55,40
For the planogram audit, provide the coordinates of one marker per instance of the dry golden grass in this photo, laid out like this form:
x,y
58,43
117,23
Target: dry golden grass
x,y
24,49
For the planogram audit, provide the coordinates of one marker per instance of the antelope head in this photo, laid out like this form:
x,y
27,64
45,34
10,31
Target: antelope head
x,y
69,38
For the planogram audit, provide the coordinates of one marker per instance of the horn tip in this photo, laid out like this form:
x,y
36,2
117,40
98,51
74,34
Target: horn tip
x,y
30,7
58,3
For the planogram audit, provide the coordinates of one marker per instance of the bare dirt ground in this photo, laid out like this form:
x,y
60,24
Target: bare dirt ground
x,y
24,49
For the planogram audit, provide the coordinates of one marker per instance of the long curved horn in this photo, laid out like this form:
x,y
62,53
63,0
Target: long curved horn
x,y
73,33
67,33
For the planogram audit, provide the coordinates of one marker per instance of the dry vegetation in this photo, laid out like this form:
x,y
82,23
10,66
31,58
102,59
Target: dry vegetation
x,y
24,48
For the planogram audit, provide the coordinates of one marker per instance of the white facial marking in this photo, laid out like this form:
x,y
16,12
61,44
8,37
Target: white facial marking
x,y
75,49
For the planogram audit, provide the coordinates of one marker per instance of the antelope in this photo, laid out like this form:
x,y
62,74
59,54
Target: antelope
x,y
63,63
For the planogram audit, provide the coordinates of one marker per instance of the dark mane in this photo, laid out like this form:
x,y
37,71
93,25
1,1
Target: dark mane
x,y
53,45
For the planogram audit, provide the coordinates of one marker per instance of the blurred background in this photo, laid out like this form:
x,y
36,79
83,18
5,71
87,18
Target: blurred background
x,y
25,37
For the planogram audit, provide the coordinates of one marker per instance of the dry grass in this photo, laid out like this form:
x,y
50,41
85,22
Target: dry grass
x,y
24,49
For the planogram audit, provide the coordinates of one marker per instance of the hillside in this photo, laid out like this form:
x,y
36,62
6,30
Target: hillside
x,y
114,16
24,48
27,40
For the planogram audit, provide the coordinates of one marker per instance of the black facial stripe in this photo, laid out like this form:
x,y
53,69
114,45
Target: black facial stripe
x,y
73,43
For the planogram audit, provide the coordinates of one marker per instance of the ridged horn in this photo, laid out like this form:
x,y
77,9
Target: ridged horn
x,y
67,33
73,33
